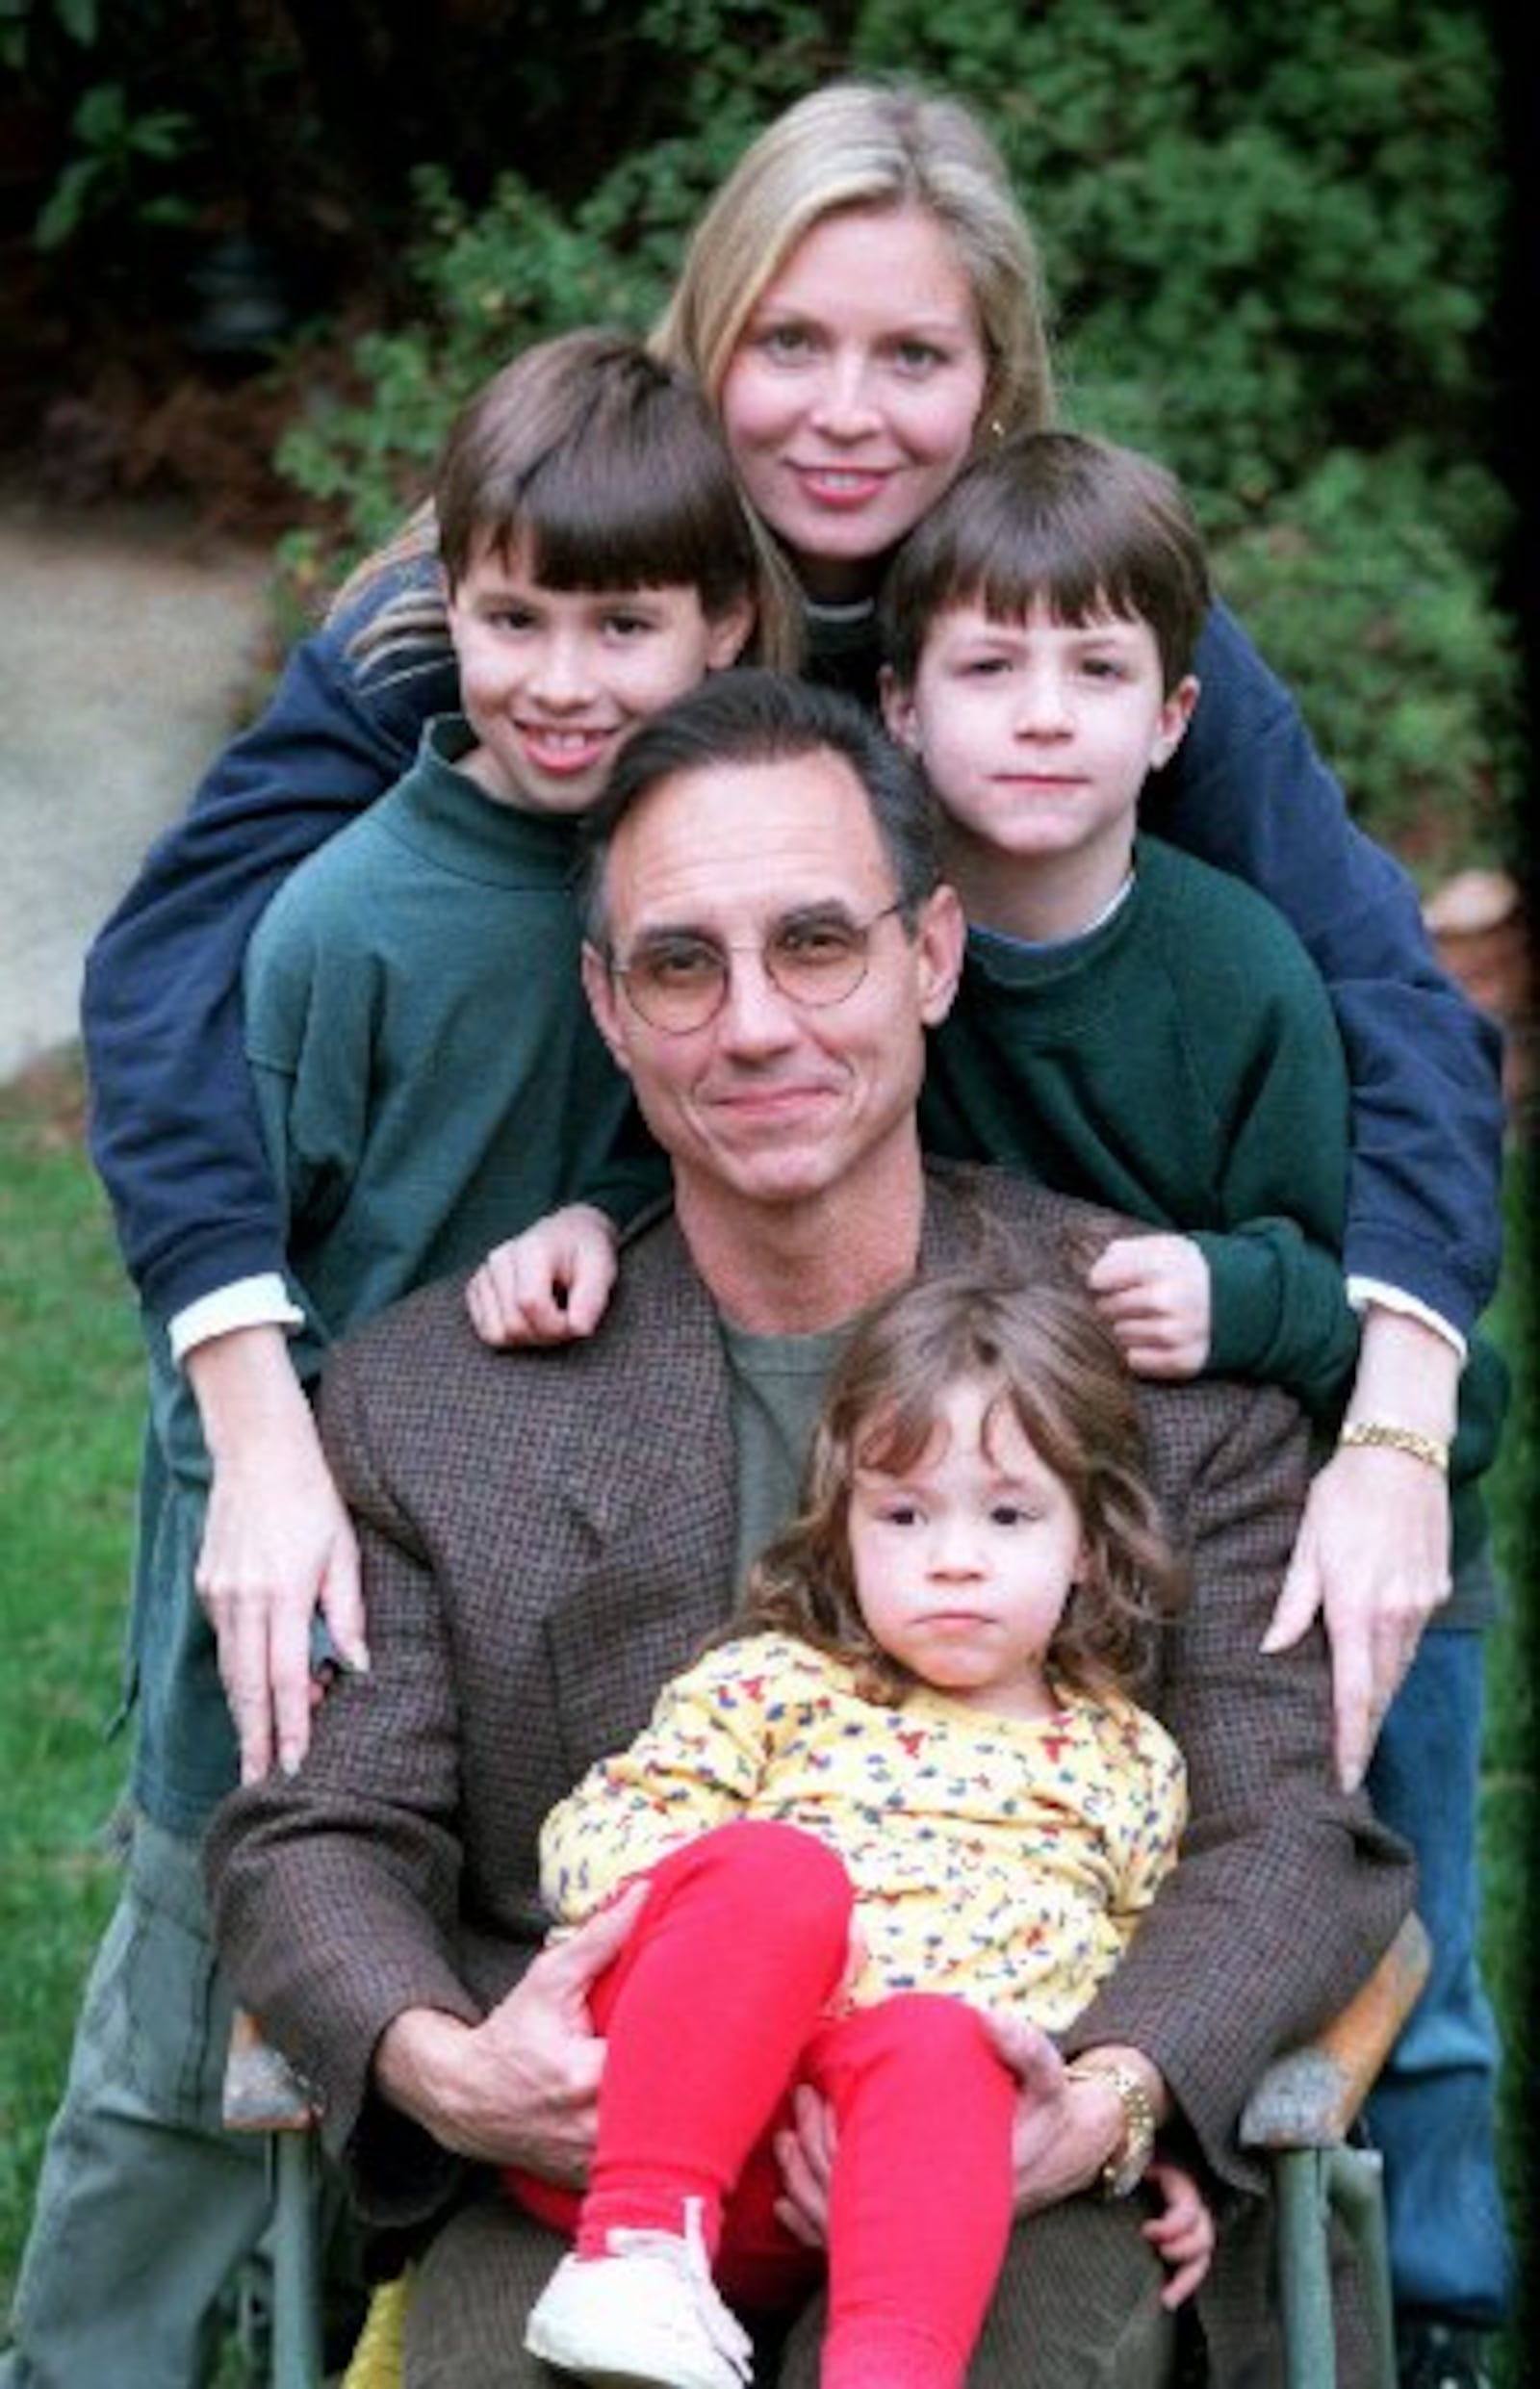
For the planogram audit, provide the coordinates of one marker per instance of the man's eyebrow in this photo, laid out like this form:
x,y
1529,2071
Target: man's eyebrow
x,y
665,933
817,909
793,915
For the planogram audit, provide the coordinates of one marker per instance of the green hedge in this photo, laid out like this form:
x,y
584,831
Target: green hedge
x,y
1274,244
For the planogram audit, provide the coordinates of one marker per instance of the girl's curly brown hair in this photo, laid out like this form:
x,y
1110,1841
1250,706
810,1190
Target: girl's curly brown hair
x,y
1054,1368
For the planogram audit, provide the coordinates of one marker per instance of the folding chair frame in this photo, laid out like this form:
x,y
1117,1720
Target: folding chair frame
x,y
1301,2114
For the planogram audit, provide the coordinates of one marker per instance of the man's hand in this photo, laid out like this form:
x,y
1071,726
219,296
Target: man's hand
x,y
1154,1294
278,1545
806,2154
549,1285
522,2086
1064,2130
1066,2126
1373,1552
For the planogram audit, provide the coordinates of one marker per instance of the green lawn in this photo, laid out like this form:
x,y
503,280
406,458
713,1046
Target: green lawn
x,y
69,1401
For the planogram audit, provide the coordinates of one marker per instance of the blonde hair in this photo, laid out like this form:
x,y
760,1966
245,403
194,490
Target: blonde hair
x,y
849,144
853,144
1046,1361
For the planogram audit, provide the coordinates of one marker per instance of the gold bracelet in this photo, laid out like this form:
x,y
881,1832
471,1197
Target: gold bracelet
x,y
1378,1435
1125,2169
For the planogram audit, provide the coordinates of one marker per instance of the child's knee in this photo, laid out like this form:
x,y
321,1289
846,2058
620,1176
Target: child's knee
x,y
922,2071
919,2037
772,1870
928,2025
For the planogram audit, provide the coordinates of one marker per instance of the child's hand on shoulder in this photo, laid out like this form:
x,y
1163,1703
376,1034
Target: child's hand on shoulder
x,y
1155,1295
550,1285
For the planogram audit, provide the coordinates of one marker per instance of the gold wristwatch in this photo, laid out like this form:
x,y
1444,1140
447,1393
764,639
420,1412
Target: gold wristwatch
x,y
1129,2163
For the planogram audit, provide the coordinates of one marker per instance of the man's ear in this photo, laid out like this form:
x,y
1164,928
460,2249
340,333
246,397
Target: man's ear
x,y
941,940
898,709
599,985
1175,714
728,632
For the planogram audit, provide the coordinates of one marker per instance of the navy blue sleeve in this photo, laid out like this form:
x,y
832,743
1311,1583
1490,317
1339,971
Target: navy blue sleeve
x,y
1247,792
173,1122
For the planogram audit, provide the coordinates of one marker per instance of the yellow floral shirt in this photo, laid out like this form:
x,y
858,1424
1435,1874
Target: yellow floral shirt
x,y
1004,1860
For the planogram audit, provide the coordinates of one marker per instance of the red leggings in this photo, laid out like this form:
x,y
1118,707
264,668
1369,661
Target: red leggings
x,y
713,2010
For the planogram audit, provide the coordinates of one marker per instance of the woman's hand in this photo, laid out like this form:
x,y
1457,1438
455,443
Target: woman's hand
x,y
278,1545
1372,1551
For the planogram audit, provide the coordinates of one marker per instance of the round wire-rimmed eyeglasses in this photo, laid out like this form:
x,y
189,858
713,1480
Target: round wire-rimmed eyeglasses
x,y
677,980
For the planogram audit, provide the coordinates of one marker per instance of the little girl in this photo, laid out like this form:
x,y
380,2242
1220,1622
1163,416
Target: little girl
x,y
910,1791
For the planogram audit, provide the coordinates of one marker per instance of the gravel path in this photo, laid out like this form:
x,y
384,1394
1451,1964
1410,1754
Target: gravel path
x,y
130,644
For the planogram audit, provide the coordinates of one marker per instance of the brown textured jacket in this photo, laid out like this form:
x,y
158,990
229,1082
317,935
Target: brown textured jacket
x,y
548,1535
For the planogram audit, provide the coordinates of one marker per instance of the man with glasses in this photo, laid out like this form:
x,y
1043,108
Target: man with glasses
x,y
546,1535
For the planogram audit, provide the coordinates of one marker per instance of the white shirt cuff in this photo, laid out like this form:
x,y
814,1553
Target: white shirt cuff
x,y
249,1302
1363,1291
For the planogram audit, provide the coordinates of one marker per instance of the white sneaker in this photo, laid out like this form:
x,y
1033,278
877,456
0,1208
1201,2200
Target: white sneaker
x,y
646,2316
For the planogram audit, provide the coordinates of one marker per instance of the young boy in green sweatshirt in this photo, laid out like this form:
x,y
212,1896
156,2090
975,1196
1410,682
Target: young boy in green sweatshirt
x,y
1135,1026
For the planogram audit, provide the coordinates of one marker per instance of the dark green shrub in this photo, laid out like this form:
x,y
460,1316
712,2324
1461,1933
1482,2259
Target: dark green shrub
x,y
1269,232
1358,592
1272,238
487,280
515,271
